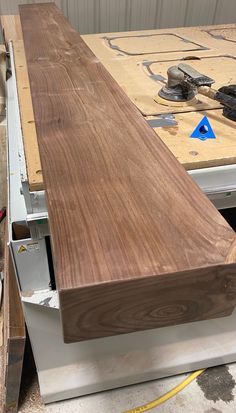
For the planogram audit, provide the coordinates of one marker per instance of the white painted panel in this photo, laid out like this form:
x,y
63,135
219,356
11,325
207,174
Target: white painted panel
x,y
82,15
143,14
225,12
200,12
70,370
64,7
113,15
92,16
11,6
172,13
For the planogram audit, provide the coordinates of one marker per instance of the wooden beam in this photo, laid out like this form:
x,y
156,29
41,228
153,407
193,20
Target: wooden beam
x,y
14,337
136,244
14,324
12,32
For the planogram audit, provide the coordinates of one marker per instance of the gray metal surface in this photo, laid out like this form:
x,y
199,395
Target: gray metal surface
x,y
215,179
22,202
162,120
38,224
17,209
30,257
70,370
31,262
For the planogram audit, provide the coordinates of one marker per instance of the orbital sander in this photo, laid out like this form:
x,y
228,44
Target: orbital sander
x,y
184,83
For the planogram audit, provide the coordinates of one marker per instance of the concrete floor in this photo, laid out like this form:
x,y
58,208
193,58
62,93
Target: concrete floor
x,y
213,392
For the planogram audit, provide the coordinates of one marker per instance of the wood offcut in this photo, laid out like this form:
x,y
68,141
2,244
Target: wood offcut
x,y
136,245
14,337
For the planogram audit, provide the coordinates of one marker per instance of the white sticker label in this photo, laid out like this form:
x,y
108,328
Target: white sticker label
x,y
33,246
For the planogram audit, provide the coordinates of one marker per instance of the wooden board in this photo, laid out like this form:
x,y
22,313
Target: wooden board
x,y
13,319
14,337
12,32
11,27
136,244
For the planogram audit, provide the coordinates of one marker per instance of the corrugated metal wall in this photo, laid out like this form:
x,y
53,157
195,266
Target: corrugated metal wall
x,y
91,16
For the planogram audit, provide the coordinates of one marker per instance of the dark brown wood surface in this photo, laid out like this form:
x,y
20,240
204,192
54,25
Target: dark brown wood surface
x,y
14,337
136,244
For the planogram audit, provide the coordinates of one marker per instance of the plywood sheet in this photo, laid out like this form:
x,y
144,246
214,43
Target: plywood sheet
x,y
136,244
12,31
225,33
11,27
138,61
197,38
155,43
195,153
142,75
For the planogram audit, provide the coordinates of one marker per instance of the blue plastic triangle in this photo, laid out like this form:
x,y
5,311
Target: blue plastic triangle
x,y
203,130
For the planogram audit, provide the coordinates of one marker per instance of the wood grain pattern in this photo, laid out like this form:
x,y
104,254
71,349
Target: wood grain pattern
x,y
130,230
14,337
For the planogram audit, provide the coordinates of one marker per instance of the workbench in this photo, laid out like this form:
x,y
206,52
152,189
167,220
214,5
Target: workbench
x,y
139,66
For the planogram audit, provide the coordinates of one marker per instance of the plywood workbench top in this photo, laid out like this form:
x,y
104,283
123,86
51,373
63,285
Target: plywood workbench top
x,y
139,62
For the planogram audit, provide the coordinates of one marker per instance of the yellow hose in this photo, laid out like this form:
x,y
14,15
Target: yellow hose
x,y
167,395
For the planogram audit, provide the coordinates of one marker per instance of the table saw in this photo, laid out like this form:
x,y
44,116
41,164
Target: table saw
x,y
139,62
